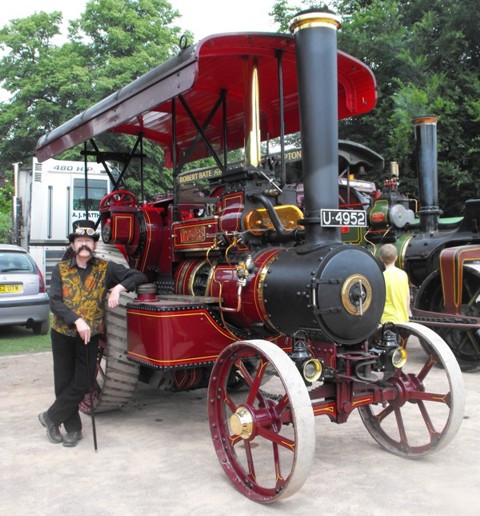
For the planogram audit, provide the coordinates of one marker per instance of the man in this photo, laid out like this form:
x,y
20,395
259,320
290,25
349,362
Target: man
x,y
397,302
78,289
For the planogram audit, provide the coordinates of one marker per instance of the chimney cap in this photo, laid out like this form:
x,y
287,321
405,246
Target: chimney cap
x,y
315,18
422,120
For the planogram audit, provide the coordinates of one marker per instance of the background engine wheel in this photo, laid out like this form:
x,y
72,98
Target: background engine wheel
x,y
465,344
429,406
265,443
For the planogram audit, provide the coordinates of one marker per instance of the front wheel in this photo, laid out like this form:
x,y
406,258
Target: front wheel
x,y
428,408
265,443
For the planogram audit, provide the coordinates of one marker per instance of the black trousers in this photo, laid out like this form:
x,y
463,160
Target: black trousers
x,y
71,377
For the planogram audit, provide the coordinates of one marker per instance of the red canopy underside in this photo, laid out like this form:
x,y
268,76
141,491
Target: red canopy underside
x,y
200,74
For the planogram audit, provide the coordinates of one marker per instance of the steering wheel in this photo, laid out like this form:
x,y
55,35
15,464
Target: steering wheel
x,y
118,198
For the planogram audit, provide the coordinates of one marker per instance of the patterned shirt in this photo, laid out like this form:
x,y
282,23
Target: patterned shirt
x,y
76,292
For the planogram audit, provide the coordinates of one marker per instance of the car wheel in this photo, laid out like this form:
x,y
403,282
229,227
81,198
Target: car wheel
x,y
40,328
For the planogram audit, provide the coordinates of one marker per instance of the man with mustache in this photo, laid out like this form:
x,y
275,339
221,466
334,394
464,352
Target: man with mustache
x,y
78,289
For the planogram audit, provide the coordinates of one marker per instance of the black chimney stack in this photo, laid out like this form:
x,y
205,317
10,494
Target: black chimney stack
x,y
425,129
316,48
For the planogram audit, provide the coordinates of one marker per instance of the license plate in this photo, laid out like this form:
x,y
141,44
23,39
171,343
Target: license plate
x,y
10,289
336,218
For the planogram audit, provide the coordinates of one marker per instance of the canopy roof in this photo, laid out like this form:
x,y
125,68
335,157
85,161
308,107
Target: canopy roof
x,y
198,78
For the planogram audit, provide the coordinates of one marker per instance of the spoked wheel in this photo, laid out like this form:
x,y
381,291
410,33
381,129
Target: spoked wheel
x,y
430,398
465,344
265,443
116,377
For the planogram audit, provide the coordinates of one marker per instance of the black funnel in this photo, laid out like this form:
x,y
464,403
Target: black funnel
x,y
316,46
425,129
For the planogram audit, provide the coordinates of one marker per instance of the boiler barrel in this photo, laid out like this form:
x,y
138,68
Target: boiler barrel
x,y
335,293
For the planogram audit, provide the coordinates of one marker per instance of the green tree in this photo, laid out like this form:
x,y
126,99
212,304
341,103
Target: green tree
x,y
6,193
27,76
121,40
110,45
425,55
426,58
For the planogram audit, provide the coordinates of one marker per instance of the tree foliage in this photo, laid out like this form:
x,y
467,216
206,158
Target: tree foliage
x,y
425,55
111,44
122,39
6,193
29,51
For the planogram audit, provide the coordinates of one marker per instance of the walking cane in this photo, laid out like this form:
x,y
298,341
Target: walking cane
x,y
92,409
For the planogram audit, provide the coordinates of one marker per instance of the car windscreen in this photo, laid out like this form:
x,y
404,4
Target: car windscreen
x,y
15,262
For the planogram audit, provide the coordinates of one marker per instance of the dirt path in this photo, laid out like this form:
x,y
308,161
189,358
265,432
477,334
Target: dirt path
x,y
156,457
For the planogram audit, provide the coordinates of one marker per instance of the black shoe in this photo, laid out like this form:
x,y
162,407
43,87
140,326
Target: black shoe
x,y
53,433
71,438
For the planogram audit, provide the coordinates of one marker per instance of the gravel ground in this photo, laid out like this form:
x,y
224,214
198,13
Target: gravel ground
x,y
156,457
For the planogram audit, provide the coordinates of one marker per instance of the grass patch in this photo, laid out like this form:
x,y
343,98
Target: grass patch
x,y
17,339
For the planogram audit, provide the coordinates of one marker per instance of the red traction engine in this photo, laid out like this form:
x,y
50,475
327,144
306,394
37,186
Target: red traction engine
x,y
252,297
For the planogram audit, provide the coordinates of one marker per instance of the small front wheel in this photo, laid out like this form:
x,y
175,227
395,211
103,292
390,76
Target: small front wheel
x,y
428,408
264,442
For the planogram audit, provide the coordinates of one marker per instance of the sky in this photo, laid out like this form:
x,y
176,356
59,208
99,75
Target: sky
x,y
202,17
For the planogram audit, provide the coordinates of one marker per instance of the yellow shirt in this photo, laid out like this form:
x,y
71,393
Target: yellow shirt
x,y
397,295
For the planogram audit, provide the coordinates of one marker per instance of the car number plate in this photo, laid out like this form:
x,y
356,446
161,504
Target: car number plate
x,y
335,218
9,289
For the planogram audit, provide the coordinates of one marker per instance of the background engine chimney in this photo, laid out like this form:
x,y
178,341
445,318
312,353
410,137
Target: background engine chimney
x,y
425,129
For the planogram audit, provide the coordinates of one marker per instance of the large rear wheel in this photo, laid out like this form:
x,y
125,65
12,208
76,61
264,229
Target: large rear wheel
x,y
265,443
429,405
116,377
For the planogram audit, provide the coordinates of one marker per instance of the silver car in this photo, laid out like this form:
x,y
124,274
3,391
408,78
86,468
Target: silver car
x,y
23,296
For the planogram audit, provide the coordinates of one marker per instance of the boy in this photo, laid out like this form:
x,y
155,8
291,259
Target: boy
x,y
397,302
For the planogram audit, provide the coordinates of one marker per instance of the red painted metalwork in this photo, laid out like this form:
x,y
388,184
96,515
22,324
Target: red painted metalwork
x,y
200,74
154,238
185,276
222,285
195,235
231,212
165,334
123,228
253,310
452,261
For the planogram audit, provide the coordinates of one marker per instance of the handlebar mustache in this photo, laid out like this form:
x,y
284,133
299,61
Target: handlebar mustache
x,y
86,248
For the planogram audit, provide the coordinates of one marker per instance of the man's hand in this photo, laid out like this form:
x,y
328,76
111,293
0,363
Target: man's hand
x,y
83,330
114,297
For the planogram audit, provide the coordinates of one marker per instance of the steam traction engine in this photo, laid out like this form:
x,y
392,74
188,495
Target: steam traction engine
x,y
440,255
250,295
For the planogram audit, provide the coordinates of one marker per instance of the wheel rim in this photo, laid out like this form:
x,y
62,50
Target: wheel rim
x,y
465,344
265,443
430,402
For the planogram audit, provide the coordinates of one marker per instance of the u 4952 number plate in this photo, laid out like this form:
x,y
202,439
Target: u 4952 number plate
x,y
334,218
